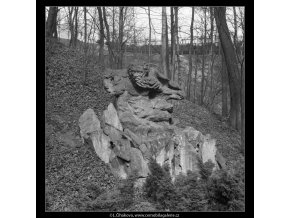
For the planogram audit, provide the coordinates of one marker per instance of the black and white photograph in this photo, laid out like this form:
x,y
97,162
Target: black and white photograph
x,y
145,109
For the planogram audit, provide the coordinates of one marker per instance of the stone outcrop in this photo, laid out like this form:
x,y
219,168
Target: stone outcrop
x,y
141,126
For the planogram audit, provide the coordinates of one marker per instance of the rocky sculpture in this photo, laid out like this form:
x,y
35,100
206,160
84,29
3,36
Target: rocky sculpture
x,y
140,126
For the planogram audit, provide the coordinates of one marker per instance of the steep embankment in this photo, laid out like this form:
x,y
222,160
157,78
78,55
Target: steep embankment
x,y
74,173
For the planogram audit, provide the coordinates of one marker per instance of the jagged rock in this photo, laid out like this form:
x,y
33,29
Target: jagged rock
x,y
220,160
119,166
208,150
122,149
138,163
111,117
101,143
88,123
90,129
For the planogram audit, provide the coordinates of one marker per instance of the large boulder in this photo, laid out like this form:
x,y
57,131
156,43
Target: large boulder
x,y
90,129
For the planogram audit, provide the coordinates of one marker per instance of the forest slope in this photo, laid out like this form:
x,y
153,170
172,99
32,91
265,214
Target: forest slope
x,y
74,173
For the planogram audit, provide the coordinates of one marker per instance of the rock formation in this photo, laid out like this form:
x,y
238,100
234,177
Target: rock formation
x,y
140,126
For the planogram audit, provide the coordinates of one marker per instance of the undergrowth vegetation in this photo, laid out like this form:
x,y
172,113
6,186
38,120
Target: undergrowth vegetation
x,y
222,191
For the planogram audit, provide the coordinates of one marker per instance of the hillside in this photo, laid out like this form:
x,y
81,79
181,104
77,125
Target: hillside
x,y
75,175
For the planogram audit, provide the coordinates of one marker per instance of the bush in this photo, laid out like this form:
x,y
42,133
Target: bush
x,y
159,188
226,192
191,192
117,199
205,168
107,201
127,190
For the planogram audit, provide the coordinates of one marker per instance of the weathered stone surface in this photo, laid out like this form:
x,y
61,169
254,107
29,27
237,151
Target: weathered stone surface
x,y
138,163
90,129
208,150
88,123
220,160
119,166
111,117
101,143
122,149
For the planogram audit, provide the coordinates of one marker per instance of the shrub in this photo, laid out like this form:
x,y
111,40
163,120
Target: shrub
x,y
225,192
191,192
117,199
127,190
107,201
205,168
158,186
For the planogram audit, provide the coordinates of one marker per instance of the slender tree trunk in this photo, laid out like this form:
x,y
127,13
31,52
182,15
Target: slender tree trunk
x,y
164,44
167,51
102,34
232,67
121,28
177,71
224,86
71,25
111,54
212,56
195,75
203,62
235,28
190,56
76,27
85,19
173,45
149,44
172,37
243,111
114,32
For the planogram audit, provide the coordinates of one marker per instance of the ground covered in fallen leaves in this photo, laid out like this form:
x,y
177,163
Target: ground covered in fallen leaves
x,y
74,175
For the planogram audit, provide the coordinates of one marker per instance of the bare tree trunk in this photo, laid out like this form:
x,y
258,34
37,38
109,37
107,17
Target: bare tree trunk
x,y
75,32
85,18
235,28
111,54
177,46
164,44
121,27
149,44
212,57
232,67
76,26
51,21
114,32
203,62
102,34
71,25
195,75
173,45
190,56
243,110
224,86
167,50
